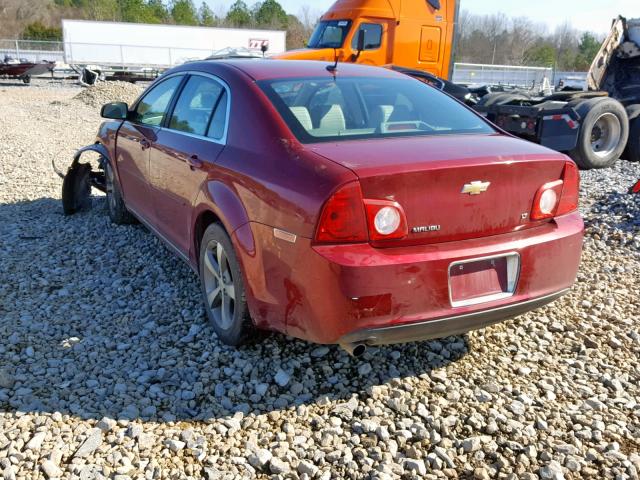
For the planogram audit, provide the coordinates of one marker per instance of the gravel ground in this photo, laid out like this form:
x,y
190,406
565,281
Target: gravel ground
x,y
109,370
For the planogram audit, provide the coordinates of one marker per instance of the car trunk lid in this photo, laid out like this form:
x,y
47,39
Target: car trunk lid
x,y
451,187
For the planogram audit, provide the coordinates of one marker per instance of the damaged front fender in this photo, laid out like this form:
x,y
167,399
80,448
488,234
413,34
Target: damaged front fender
x,y
80,177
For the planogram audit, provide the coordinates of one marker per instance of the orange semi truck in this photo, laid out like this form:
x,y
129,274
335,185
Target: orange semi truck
x,y
389,32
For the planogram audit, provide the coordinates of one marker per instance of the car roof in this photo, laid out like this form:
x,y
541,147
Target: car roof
x,y
276,69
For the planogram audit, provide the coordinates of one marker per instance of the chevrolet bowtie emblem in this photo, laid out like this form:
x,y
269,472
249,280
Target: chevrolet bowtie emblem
x,y
476,188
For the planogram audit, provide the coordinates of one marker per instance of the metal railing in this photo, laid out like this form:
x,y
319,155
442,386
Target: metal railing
x,y
32,50
478,74
572,75
102,54
164,57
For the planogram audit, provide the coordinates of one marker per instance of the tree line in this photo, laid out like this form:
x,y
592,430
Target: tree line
x,y
501,40
266,14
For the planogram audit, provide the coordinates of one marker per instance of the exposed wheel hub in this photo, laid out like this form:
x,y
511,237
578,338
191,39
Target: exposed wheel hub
x,y
606,134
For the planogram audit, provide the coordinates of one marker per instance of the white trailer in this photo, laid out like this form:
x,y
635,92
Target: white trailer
x,y
156,46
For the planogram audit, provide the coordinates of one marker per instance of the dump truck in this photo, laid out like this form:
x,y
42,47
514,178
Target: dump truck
x,y
418,38
594,127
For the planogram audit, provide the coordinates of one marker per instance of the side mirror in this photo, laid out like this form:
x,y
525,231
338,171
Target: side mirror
x,y
115,111
360,45
361,35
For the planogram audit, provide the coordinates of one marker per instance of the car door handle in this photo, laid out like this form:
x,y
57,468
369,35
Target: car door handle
x,y
194,162
145,144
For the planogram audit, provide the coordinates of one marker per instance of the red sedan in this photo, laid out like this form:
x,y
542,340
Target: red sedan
x,y
356,206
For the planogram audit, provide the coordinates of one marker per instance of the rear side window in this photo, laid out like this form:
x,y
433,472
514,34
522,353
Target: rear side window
x,y
219,119
345,108
153,106
372,36
196,106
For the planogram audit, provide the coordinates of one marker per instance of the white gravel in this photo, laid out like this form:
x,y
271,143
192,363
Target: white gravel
x,y
104,92
109,370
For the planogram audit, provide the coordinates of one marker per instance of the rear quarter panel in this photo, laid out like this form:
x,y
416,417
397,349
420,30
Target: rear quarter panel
x,y
265,179
279,183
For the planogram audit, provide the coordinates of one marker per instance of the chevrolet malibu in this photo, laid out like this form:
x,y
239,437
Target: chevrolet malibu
x,y
354,205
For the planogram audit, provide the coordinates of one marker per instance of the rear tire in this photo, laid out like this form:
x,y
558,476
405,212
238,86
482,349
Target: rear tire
x,y
222,286
633,144
603,133
116,208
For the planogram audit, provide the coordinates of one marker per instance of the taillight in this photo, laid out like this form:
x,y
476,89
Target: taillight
x,y
386,220
636,188
349,218
342,219
557,198
570,191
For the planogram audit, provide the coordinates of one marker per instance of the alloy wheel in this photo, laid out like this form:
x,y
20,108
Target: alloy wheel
x,y
219,285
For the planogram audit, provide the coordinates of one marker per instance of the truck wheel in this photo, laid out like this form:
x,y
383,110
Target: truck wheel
x,y
116,208
26,79
603,133
633,145
222,287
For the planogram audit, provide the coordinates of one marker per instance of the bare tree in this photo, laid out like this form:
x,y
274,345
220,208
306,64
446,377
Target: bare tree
x,y
16,14
309,18
523,36
497,39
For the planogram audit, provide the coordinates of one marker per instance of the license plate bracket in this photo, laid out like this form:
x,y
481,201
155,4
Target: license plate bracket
x,y
482,280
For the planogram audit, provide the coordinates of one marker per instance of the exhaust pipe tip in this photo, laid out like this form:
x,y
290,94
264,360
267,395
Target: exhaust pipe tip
x,y
355,349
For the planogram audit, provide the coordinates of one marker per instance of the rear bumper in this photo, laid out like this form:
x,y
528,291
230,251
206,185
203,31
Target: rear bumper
x,y
445,327
348,293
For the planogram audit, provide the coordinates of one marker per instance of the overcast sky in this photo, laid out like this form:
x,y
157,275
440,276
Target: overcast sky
x,y
593,15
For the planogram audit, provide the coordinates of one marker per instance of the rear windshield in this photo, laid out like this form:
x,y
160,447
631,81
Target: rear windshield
x,y
347,108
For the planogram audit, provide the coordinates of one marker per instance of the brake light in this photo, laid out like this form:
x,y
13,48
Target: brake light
x,y
386,220
570,191
349,218
343,219
558,198
636,188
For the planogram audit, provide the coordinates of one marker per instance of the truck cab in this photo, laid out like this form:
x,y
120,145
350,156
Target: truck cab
x,y
390,29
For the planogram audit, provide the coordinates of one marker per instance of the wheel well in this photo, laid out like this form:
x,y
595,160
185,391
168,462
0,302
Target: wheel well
x,y
633,111
205,219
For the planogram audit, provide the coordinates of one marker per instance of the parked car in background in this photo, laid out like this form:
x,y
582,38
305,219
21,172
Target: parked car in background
x,y
355,206
571,84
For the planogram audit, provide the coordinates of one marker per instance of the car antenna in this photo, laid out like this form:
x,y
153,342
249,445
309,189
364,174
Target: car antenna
x,y
334,68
